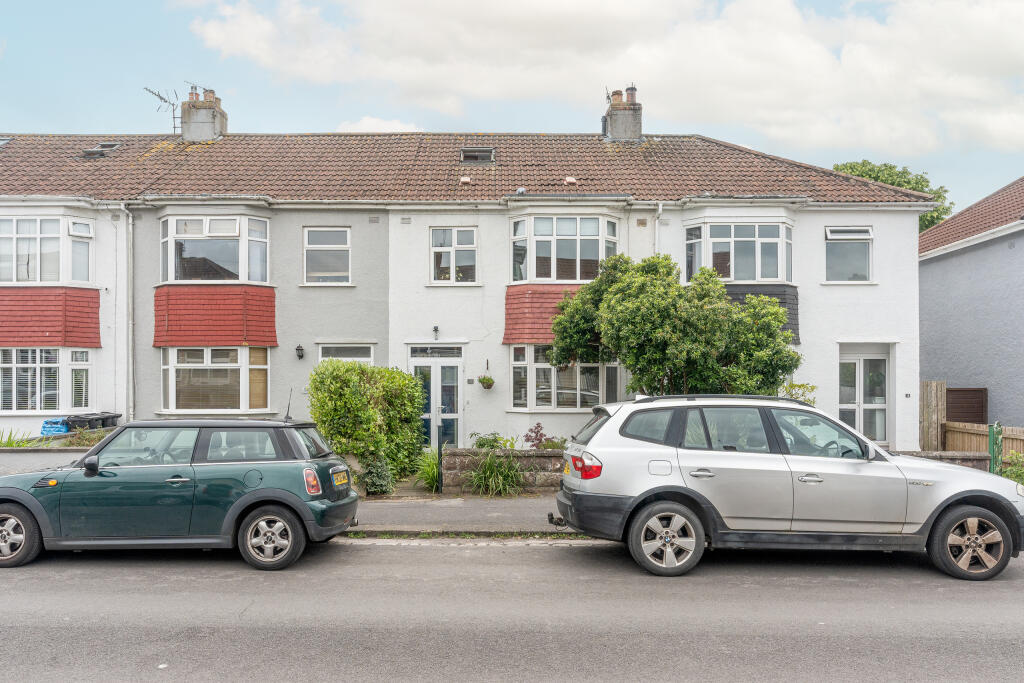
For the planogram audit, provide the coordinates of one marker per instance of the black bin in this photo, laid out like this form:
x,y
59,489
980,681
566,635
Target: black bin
x,y
110,419
78,422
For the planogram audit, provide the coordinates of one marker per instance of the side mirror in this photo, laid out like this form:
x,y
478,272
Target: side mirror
x,y
92,466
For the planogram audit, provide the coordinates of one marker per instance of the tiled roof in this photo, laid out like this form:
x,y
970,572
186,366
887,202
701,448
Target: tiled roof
x,y
417,167
529,310
50,316
214,315
1000,208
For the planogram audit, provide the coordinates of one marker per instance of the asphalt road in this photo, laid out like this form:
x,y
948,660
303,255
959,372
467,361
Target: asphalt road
x,y
479,610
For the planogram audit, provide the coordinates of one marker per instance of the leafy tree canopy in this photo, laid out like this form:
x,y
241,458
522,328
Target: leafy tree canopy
x,y
903,177
675,338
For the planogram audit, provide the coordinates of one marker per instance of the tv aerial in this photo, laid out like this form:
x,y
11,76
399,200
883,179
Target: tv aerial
x,y
168,104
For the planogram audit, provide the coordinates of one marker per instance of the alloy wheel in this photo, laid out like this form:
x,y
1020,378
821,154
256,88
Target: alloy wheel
x,y
12,536
975,545
668,540
269,538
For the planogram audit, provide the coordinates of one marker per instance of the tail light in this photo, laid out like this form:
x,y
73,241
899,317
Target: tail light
x,y
587,465
312,482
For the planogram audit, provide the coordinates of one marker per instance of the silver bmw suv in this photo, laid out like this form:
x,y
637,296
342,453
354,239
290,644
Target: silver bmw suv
x,y
673,475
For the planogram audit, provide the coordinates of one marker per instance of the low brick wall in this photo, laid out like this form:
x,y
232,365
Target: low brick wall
x,y
979,461
542,468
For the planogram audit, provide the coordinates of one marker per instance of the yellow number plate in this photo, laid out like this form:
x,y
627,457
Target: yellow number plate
x,y
340,478
566,471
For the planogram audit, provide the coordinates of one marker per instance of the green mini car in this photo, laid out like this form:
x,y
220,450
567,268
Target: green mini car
x,y
265,487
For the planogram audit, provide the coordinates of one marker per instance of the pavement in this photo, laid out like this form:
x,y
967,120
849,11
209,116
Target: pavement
x,y
473,514
483,609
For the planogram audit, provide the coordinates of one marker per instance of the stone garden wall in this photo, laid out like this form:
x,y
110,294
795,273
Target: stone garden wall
x,y
542,468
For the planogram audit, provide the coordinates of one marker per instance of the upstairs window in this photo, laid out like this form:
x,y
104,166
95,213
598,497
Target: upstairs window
x,y
35,250
328,258
848,254
453,255
213,248
744,252
563,248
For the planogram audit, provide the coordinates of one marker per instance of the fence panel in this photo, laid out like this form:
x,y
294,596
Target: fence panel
x,y
965,436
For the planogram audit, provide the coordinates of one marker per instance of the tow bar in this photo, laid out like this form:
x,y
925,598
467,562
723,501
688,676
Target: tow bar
x,y
556,521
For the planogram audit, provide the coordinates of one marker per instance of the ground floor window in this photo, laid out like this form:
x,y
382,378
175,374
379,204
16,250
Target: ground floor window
x,y
43,379
362,353
538,385
214,378
863,394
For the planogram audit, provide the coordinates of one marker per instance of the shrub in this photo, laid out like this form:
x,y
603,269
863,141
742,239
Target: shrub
x,y
13,439
801,392
370,412
82,438
1013,467
555,443
535,436
427,471
491,440
378,478
497,475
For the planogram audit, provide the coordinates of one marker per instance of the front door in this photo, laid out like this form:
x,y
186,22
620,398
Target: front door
x,y
144,487
439,369
863,394
835,487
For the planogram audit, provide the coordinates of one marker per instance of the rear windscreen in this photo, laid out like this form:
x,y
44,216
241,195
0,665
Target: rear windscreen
x,y
313,445
584,436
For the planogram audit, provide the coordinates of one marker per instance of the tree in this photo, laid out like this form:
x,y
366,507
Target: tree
x,y
675,338
903,177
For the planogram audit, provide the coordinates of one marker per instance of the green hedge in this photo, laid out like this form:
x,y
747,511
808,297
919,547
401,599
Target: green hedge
x,y
372,413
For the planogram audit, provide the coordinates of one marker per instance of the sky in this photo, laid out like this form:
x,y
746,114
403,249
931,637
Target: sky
x,y
935,85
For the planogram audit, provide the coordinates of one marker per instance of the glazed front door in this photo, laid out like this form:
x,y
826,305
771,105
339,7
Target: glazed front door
x,y
439,369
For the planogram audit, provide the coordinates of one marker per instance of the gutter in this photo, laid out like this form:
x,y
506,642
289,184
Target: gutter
x,y
980,238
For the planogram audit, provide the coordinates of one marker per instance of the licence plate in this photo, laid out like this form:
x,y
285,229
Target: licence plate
x,y
340,478
566,470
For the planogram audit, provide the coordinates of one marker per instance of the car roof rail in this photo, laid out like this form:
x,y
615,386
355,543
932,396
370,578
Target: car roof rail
x,y
694,397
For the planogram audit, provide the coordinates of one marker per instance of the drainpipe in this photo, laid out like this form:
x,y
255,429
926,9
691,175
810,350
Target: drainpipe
x,y
657,230
129,239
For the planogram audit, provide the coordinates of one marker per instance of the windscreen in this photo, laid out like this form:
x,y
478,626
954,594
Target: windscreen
x,y
584,436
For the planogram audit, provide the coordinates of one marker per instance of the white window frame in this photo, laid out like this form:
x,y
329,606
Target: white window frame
x,y
851,233
347,247
455,246
858,405
323,345
169,363
531,383
79,365
168,234
605,238
64,256
708,242
63,377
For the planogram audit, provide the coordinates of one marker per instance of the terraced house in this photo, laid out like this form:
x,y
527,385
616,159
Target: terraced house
x,y
207,272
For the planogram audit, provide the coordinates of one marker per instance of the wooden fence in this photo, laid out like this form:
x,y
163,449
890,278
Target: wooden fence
x,y
964,436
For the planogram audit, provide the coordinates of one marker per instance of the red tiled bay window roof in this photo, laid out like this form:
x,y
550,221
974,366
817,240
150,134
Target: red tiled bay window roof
x,y
529,310
49,316
214,315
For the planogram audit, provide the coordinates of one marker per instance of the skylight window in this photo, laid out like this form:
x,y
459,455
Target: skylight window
x,y
4,141
477,155
101,149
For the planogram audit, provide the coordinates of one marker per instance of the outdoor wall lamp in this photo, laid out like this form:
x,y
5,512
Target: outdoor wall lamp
x,y
299,351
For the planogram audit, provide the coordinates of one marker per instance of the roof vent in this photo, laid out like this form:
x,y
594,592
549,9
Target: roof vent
x,y
477,155
465,180
4,141
569,180
101,149
520,190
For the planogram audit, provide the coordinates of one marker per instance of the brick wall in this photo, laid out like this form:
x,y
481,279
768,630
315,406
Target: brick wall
x,y
214,315
49,316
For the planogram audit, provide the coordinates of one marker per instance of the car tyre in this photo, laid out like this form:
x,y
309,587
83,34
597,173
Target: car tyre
x,y
666,538
970,542
271,537
20,539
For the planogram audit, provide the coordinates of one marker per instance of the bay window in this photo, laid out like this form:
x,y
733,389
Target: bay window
x,y
563,248
213,248
43,379
745,252
538,385
206,379
33,250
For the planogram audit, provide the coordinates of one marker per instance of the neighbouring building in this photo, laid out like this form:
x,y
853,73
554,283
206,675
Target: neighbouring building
x,y
227,265
972,280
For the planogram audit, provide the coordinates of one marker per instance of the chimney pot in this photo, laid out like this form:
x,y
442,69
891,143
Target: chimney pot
x,y
623,120
616,96
631,94
203,119
209,95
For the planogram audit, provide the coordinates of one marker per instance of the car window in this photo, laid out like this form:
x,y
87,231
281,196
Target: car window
x,y
136,446
810,434
311,443
736,429
239,445
595,423
649,425
694,436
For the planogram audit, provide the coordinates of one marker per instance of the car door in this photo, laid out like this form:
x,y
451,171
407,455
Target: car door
x,y
835,487
143,489
725,455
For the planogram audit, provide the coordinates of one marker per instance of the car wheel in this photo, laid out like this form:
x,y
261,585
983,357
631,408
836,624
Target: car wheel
x,y
666,539
271,538
971,543
20,540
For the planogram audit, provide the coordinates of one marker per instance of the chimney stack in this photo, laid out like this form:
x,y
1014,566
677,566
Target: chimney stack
x,y
203,119
623,120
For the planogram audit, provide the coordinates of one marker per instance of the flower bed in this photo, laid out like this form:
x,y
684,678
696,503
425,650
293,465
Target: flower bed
x,y
542,468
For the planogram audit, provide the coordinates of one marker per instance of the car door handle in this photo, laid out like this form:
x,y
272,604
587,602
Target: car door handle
x,y
702,474
811,479
177,480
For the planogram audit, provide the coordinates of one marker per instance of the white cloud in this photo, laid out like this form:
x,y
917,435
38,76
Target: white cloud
x,y
926,72
372,124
